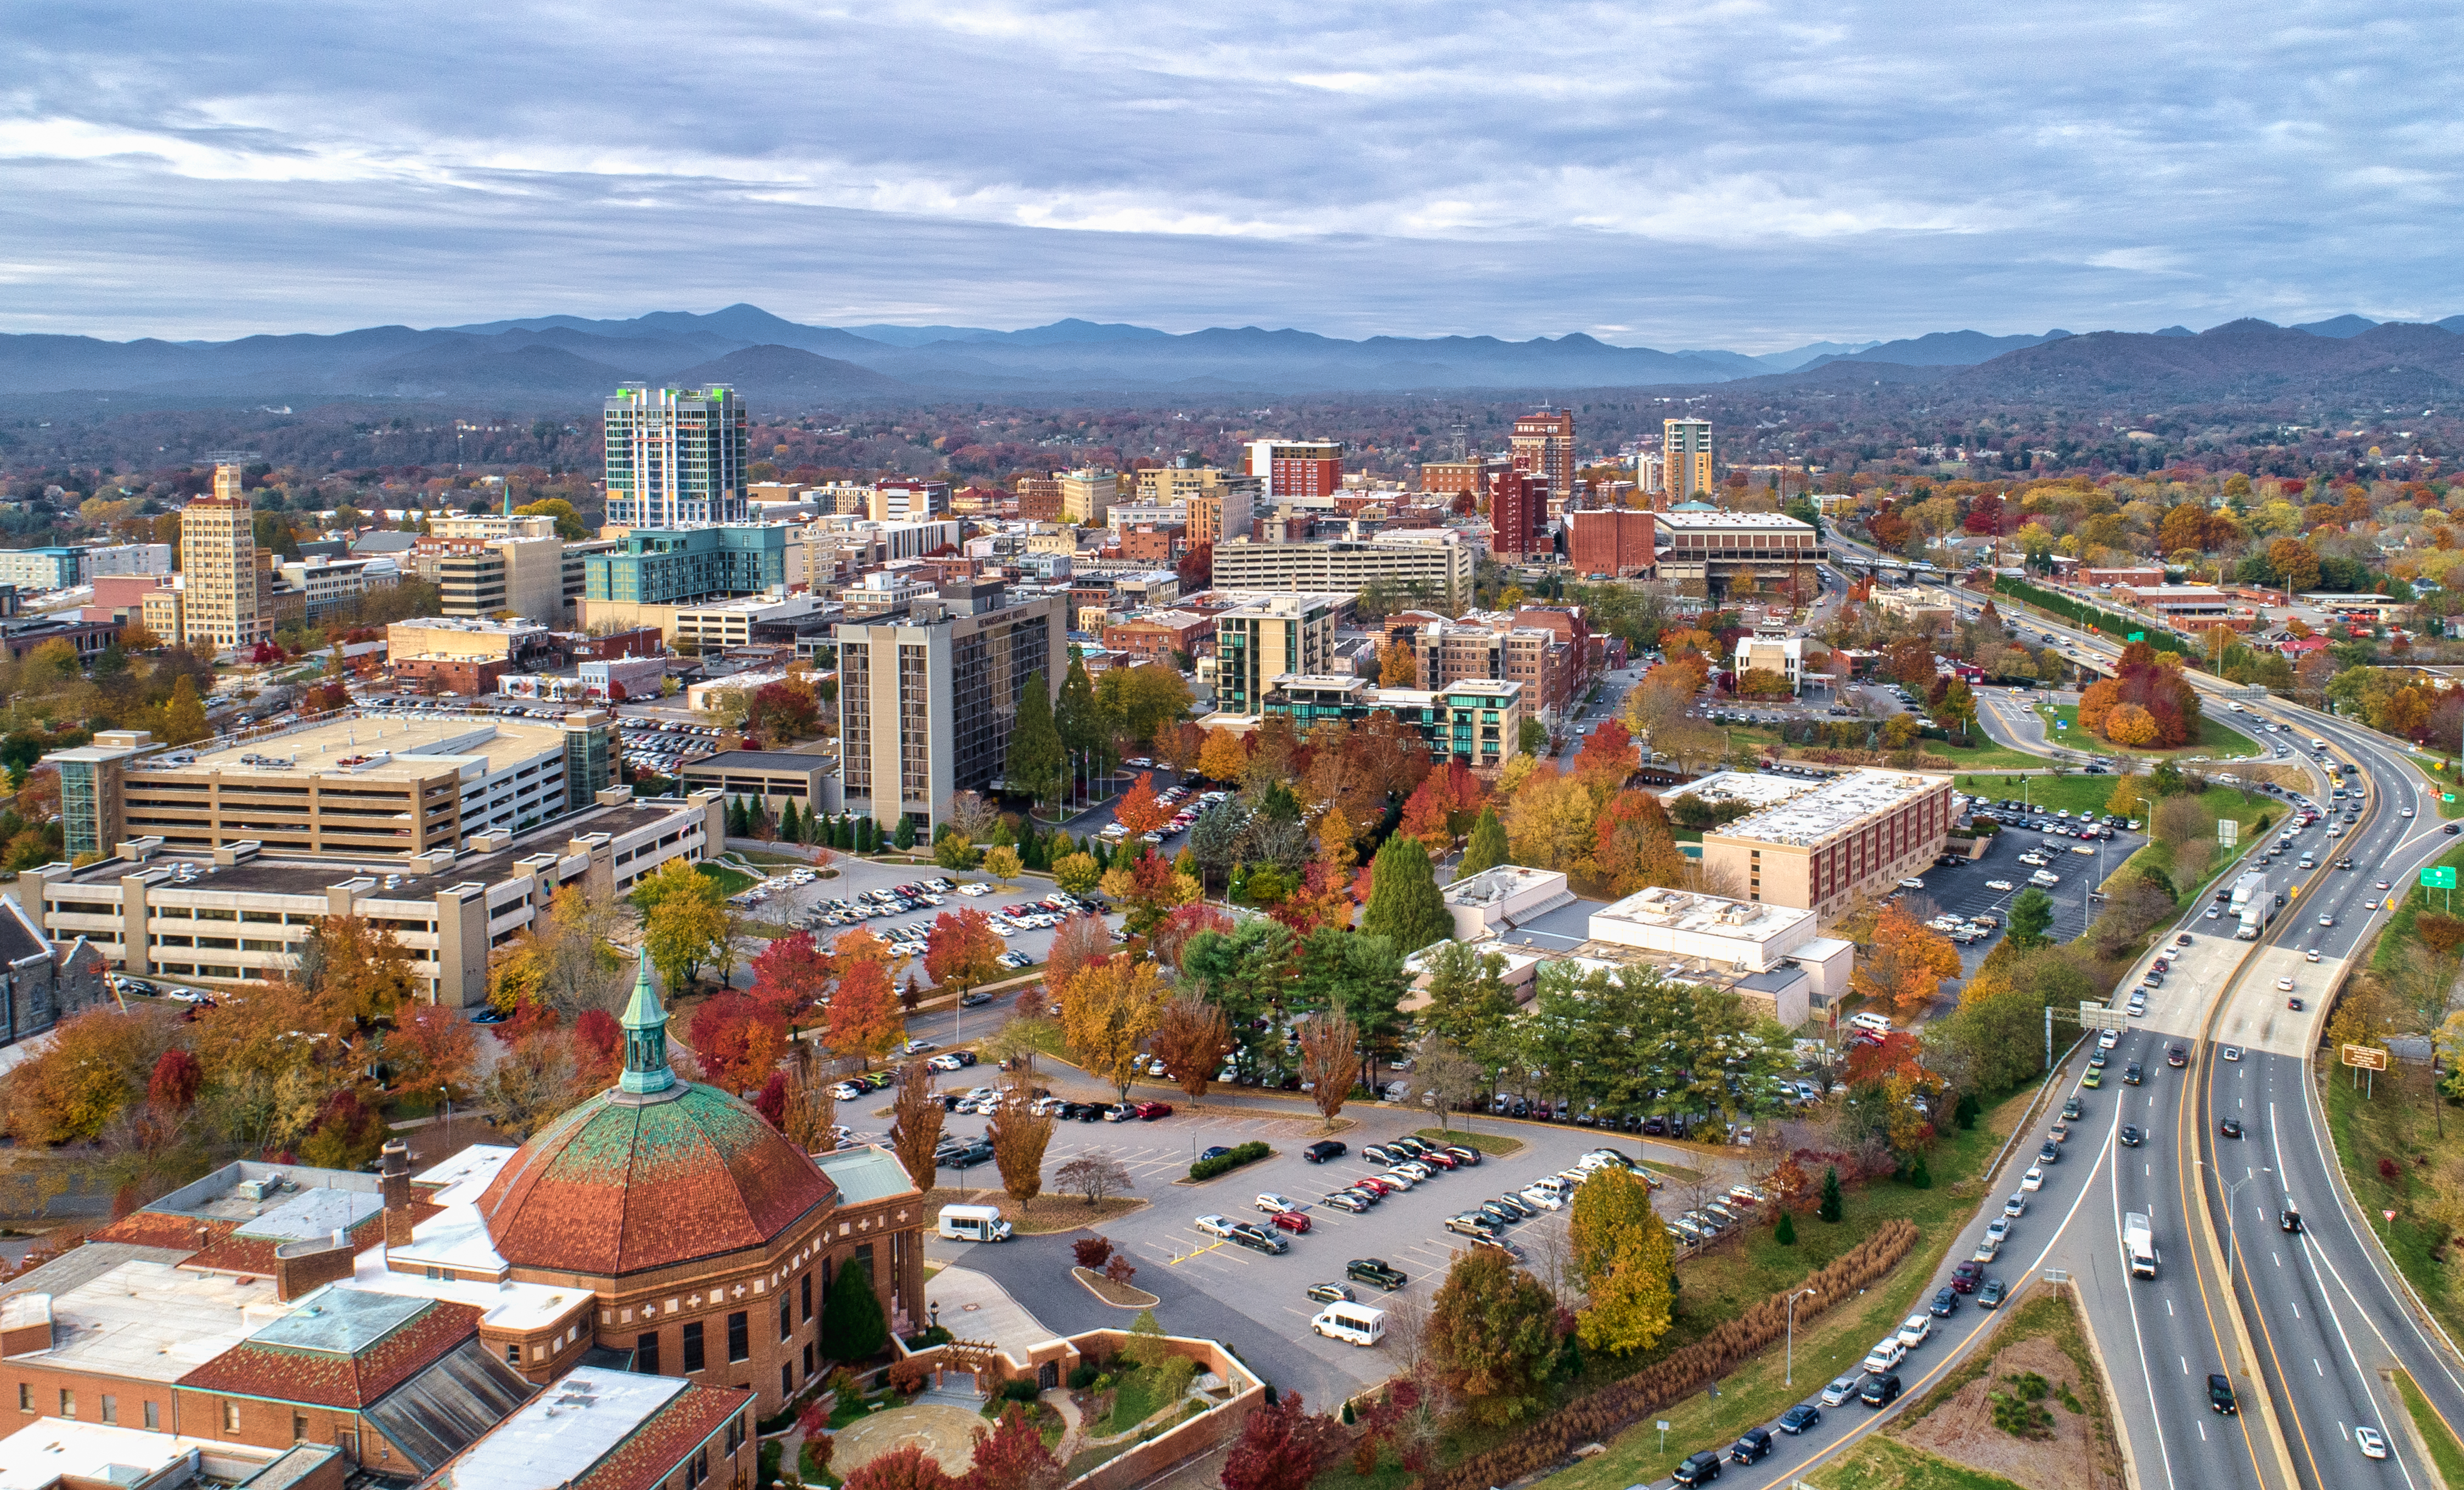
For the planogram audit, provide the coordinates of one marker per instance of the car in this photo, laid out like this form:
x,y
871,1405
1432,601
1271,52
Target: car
x,y
1752,1444
2284,985
1697,1469
2326,920
968,1157
1515,1206
2093,1079
2129,1135
1880,1392
1375,1270
1323,1149
1437,1159
2230,1127
1998,885
2220,1396
2098,1059
2230,1052
1293,1221
1272,1203
1403,1176
1945,1302
2073,1108
1468,1158
1330,1293
2034,1179
1998,1228
1380,1154
1840,1389
1257,1238
1376,1185
1888,1351
1916,1329
1987,1248
1989,1295
2366,1439
1545,1200
1798,1418
1472,1224
2014,1207
1216,1226
1345,1200
2310,954
2288,1219
2048,1152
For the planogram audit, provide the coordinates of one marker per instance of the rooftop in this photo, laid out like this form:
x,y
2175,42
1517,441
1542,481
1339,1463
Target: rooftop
x,y
1684,515
375,748
869,1172
763,760
149,1320
559,1436
477,628
51,1451
1800,812
1701,915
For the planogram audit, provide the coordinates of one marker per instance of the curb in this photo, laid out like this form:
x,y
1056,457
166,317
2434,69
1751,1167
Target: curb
x,y
2104,1383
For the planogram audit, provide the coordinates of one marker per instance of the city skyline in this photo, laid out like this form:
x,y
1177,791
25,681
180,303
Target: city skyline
x,y
1755,184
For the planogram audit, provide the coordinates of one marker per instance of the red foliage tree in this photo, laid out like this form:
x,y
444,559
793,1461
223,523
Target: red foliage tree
x,y
1081,940
864,1013
1172,932
1443,806
738,1040
1897,1053
1281,1447
772,1103
598,1042
1321,900
1608,756
172,1088
962,950
791,974
1141,811
905,1467
1012,1457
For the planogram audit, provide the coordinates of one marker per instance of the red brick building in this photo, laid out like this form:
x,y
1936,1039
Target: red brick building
x,y
1613,542
1544,444
1518,514
1154,542
1039,499
1158,634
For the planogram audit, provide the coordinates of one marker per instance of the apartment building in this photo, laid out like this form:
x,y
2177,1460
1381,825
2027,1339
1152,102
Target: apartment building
x,y
902,499
1547,668
327,585
1297,470
1213,503
1518,516
1467,478
1543,444
1784,655
1157,635
225,597
1823,845
1432,566
1088,495
1475,722
51,568
239,911
927,699
1685,460
1039,499
1270,638
677,457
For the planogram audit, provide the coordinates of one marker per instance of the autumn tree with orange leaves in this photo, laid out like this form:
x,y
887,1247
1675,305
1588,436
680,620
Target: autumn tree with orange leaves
x,y
1904,966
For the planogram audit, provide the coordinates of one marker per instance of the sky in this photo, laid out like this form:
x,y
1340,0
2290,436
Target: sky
x,y
1670,173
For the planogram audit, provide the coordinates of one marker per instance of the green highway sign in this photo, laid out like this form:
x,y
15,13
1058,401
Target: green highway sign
x,y
2138,636
2439,876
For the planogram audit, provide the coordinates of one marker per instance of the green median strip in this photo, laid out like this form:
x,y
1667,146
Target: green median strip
x,y
2444,1450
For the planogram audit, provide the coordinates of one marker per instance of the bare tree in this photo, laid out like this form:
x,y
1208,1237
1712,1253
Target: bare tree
x,y
1446,1074
915,1126
812,1112
1330,1055
1020,1136
971,817
1096,1176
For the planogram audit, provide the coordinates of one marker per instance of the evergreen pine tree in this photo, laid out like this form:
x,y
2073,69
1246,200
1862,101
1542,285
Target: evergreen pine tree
x,y
1785,1234
854,1328
867,838
1487,848
1103,856
1830,1208
1404,902
1036,753
1919,1176
905,837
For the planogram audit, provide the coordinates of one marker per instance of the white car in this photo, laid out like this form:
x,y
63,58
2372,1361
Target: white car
x,y
1545,1200
2366,1438
1998,885
1274,1204
1998,1228
2016,1205
1915,1330
2034,1179
2284,985
1396,1178
1216,1226
1885,1355
2231,1052
2108,1040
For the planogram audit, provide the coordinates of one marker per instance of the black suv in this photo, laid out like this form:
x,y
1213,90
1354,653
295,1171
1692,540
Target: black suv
x,y
1697,1469
1880,1389
1323,1149
2220,1396
1751,1445
2133,1074
968,1157
1375,1270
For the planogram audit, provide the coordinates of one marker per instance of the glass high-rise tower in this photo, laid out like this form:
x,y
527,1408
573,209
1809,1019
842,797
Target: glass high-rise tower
x,y
676,456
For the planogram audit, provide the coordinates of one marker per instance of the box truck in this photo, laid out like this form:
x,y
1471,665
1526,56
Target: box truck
x,y
2139,1246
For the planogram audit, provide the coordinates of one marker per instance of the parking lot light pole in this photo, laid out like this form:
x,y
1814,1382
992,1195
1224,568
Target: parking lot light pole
x,y
1789,1376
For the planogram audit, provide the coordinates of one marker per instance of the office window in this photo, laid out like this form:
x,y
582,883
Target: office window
x,y
786,1381
153,1419
740,1336
513,1355
805,1287
692,1347
68,1404
646,1352
110,1408
786,1320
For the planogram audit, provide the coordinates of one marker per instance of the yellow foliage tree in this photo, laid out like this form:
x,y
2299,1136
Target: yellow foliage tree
x,y
1549,821
1908,961
2128,724
1106,1012
1624,1257
1223,758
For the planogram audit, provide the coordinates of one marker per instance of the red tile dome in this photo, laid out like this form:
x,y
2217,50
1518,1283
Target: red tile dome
x,y
624,1183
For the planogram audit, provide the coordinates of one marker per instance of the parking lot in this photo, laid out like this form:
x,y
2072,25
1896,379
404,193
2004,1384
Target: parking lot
x,y
1970,890
1259,1301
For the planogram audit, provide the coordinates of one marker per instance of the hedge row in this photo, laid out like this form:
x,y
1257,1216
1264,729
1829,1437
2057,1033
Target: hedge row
x,y
1225,1163
1619,1405
2114,626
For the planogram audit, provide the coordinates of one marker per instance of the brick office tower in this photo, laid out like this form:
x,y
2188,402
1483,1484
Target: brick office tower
x,y
218,563
1544,444
1518,514
1611,543
1297,470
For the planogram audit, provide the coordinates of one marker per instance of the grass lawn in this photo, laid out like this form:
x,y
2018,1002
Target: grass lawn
x,y
2077,794
729,880
1733,1276
1984,754
2399,1125
1881,1463
1494,1145
2444,1450
2216,741
1676,1171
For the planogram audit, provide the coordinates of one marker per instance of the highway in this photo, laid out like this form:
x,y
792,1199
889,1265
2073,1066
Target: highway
x,y
2315,1318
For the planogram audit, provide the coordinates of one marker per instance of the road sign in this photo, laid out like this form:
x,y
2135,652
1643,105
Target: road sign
x,y
2100,1017
2439,876
2365,1058
2228,831
2138,636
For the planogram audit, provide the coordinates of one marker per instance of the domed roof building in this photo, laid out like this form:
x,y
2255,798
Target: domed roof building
x,y
708,1239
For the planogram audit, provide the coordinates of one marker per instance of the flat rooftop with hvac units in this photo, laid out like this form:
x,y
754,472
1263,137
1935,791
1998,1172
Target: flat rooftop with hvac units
x,y
1821,844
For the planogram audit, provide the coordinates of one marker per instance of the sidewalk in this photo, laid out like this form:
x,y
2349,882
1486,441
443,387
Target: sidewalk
x,y
975,1307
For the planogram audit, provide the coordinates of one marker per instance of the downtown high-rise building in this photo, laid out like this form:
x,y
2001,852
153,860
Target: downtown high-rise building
x,y
1685,451
1297,470
224,598
677,457
1544,444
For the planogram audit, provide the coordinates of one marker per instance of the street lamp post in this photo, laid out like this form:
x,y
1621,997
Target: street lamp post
x,y
1789,1376
2232,1236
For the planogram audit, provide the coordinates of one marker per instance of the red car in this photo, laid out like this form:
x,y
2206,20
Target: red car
x,y
1374,1183
1149,1112
1967,1276
1289,1221
1441,1158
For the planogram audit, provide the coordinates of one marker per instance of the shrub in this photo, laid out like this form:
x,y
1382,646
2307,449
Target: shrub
x,y
1084,1378
1091,1252
908,1377
1225,1163
1023,1389
2388,1169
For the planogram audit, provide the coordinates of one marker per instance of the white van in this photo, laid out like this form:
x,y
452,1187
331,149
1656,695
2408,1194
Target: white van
x,y
1877,1023
1356,1322
973,1223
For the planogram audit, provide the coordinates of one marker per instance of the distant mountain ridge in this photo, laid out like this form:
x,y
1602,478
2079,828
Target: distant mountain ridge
x,y
568,362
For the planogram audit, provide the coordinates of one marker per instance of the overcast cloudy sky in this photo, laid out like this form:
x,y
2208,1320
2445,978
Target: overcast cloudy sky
x,y
1678,173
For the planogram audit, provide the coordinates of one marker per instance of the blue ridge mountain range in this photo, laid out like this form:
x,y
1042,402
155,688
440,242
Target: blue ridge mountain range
x,y
571,362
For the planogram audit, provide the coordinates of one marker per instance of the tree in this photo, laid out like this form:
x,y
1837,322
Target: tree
x,y
1550,822
1329,1060
738,1040
2029,916
1190,1037
1467,1005
1020,1136
854,1328
1624,1257
1492,1334
865,1021
915,1123
1037,764
1076,873
1906,965
1081,941
2296,563
1107,1010
93,1066
1096,1178
1139,811
1633,846
1830,1208
1004,865
1487,848
184,717
791,974
1012,1457
1223,759
962,949
531,1084
1404,903
811,1114
1281,1447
